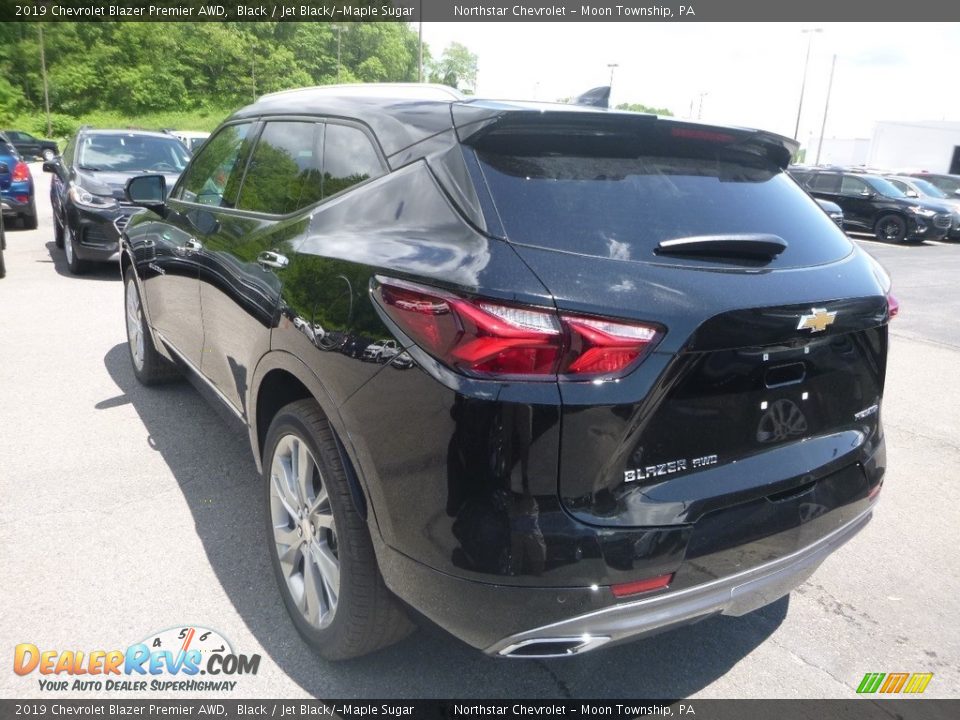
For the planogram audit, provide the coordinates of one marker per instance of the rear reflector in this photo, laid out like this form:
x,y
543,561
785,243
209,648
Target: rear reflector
x,y
893,306
486,338
641,586
875,490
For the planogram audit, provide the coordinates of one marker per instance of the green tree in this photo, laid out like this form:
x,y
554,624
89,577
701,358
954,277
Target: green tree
x,y
641,108
457,68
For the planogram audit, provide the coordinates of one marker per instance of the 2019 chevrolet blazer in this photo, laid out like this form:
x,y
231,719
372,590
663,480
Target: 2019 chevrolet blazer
x,y
642,369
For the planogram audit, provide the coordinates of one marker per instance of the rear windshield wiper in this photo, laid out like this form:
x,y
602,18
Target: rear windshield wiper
x,y
746,245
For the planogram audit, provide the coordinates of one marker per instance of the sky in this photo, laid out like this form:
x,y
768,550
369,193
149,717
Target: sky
x,y
748,74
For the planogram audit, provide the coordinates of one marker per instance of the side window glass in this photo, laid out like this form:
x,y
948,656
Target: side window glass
x,y
214,174
826,183
348,158
284,172
68,151
852,185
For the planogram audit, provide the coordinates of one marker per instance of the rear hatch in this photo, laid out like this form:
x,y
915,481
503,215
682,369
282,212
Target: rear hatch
x,y
770,372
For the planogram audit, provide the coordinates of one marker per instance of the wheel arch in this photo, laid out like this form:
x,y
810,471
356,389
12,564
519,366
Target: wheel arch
x,y
279,379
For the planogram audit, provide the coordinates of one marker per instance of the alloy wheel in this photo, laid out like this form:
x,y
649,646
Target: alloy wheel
x,y
134,325
304,531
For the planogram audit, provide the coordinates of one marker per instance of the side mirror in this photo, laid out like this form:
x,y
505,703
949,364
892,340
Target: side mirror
x,y
957,192
868,194
147,190
912,193
50,166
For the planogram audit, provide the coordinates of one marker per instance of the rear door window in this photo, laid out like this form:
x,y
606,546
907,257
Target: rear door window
x,y
285,168
349,158
853,186
826,183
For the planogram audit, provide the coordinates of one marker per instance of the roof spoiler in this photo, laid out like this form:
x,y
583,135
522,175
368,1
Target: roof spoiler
x,y
478,119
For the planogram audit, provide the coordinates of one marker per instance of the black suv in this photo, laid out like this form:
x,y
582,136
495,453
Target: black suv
x,y
872,204
29,146
641,373
87,190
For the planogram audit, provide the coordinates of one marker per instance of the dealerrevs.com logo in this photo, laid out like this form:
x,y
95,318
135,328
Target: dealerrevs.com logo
x,y
184,659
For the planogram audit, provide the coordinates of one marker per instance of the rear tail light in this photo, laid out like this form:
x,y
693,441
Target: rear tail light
x,y
20,172
486,338
893,306
641,586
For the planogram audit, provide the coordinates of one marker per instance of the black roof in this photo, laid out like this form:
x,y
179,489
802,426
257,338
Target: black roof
x,y
402,115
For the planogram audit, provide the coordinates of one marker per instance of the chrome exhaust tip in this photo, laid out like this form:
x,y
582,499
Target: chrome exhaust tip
x,y
553,647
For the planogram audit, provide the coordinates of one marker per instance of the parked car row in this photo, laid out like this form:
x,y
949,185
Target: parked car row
x,y
646,369
894,208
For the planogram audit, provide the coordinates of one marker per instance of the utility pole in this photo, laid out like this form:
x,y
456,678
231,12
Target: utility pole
x,y
700,109
339,29
826,109
803,84
46,88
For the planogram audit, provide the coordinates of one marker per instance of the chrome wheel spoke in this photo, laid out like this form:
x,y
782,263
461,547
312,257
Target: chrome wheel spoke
x,y
288,560
329,568
303,472
323,520
320,504
316,606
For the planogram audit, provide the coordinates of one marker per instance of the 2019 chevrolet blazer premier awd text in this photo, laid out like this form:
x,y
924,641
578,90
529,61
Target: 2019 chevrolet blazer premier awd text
x,y
634,381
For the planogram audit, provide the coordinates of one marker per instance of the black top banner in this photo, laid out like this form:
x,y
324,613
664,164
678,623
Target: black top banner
x,y
622,709
477,10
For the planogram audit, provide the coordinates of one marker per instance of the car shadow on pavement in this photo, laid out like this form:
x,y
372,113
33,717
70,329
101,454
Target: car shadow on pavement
x,y
213,466
94,271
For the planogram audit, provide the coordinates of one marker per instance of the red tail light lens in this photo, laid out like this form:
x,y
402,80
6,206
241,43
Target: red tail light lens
x,y
483,337
893,306
20,172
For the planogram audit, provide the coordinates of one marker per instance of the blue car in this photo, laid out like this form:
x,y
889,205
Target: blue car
x,y
16,187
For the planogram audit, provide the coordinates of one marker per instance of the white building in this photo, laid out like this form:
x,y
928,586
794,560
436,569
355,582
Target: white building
x,y
932,145
928,145
839,151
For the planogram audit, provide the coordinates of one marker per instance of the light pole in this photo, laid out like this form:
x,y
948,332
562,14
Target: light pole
x,y
809,32
420,55
612,66
826,109
46,87
700,109
339,29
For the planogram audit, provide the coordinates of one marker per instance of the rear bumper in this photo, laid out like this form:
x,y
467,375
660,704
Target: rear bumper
x,y
733,595
11,206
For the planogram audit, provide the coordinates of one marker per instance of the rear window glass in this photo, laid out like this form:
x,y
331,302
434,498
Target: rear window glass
x,y
623,207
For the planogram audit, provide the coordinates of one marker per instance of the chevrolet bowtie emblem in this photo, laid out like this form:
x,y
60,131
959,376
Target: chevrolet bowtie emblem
x,y
817,321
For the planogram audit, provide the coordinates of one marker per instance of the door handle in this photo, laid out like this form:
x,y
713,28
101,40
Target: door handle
x,y
268,258
189,247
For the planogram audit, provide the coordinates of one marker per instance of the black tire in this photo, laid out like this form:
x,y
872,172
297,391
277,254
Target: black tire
x,y
891,228
365,615
75,265
3,266
29,221
151,368
57,233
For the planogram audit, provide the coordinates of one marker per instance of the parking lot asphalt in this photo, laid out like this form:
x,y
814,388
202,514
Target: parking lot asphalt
x,y
127,510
